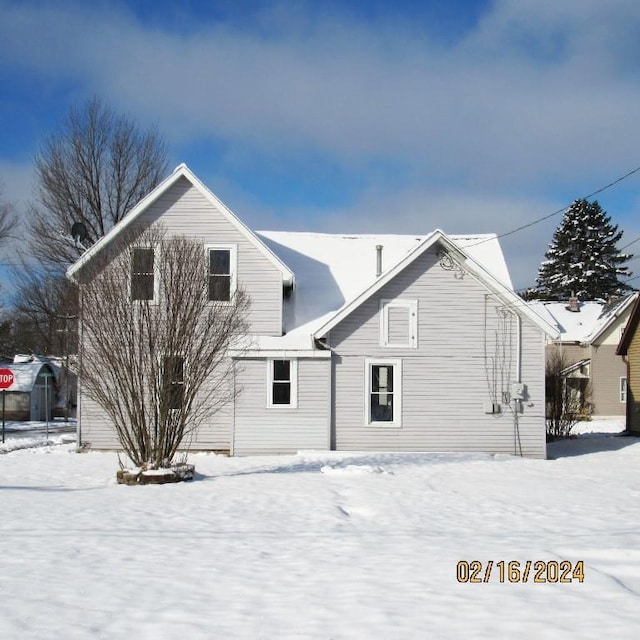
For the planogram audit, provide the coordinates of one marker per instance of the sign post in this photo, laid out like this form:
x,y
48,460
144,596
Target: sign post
x,y
6,380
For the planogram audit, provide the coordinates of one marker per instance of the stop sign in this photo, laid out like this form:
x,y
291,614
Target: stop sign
x,y
6,378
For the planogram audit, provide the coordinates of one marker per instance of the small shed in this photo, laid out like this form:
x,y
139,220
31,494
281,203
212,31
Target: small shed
x,y
33,392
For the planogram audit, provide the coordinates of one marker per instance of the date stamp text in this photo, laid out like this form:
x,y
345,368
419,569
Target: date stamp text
x,y
514,571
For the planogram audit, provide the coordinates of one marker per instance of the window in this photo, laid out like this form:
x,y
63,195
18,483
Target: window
x,y
221,269
173,381
282,383
623,389
399,323
383,392
142,273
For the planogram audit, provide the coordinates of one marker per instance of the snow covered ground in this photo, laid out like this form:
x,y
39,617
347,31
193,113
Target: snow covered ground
x,y
321,545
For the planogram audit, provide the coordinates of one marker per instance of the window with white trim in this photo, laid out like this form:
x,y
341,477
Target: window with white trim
x,y
282,383
399,323
623,389
143,280
221,272
383,396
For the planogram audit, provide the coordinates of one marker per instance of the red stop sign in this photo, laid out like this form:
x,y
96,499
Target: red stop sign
x,y
6,378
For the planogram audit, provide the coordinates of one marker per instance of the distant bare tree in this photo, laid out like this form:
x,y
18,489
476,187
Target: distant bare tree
x,y
567,398
50,302
155,350
93,170
8,219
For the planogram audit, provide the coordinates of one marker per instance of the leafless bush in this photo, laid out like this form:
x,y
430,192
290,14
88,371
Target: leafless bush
x,y
158,368
567,398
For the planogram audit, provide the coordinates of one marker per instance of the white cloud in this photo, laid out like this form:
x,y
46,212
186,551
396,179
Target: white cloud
x,y
539,93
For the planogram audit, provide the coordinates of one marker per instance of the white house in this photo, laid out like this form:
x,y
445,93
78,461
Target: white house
x,y
358,342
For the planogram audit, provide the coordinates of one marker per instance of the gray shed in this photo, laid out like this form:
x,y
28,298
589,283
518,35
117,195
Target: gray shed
x,y
32,392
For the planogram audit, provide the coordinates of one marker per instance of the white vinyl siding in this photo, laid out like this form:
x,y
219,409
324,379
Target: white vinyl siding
x,y
282,429
399,323
183,210
466,356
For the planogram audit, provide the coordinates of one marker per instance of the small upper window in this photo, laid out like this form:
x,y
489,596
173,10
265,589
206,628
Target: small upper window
x,y
220,273
399,323
142,273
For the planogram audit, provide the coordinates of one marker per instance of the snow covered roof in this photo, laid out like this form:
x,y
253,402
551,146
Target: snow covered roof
x,y
181,171
585,325
331,270
336,272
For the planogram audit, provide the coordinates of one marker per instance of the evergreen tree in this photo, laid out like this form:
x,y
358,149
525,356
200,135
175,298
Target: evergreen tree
x,y
582,259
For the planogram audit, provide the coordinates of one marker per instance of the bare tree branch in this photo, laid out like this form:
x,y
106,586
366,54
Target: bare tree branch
x,y
93,170
8,220
159,367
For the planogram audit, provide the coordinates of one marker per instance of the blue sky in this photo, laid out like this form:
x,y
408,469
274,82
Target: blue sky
x,y
469,116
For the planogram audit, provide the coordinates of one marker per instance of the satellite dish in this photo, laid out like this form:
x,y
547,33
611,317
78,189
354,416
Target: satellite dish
x,y
78,232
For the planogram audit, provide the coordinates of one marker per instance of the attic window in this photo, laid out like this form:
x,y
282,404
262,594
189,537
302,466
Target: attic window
x,y
142,273
399,323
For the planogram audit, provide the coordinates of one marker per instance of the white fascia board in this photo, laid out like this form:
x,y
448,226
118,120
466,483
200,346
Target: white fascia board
x,y
281,354
612,318
181,171
475,269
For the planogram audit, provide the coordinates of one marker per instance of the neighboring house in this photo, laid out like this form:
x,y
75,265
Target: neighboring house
x,y
589,335
629,350
32,396
359,342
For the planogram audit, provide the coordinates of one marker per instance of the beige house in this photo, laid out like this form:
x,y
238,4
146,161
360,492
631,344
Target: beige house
x,y
589,336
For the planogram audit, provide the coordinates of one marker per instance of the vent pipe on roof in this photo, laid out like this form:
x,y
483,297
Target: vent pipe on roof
x,y
379,248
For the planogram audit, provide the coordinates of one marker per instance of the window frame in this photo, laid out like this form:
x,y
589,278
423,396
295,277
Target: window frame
x,y
293,381
156,274
623,389
412,309
396,363
233,267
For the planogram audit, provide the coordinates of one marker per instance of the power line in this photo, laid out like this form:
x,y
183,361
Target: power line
x,y
562,210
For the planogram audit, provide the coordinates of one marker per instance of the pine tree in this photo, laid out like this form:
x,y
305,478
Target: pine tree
x,y
582,259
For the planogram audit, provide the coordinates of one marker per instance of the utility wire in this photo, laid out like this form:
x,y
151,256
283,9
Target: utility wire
x,y
562,210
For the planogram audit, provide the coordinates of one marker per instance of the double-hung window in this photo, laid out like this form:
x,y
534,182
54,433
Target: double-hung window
x,y
173,381
623,389
221,272
282,383
143,280
383,397
399,323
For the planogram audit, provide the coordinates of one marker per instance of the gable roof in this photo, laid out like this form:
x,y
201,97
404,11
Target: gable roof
x,y
181,171
586,325
336,273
